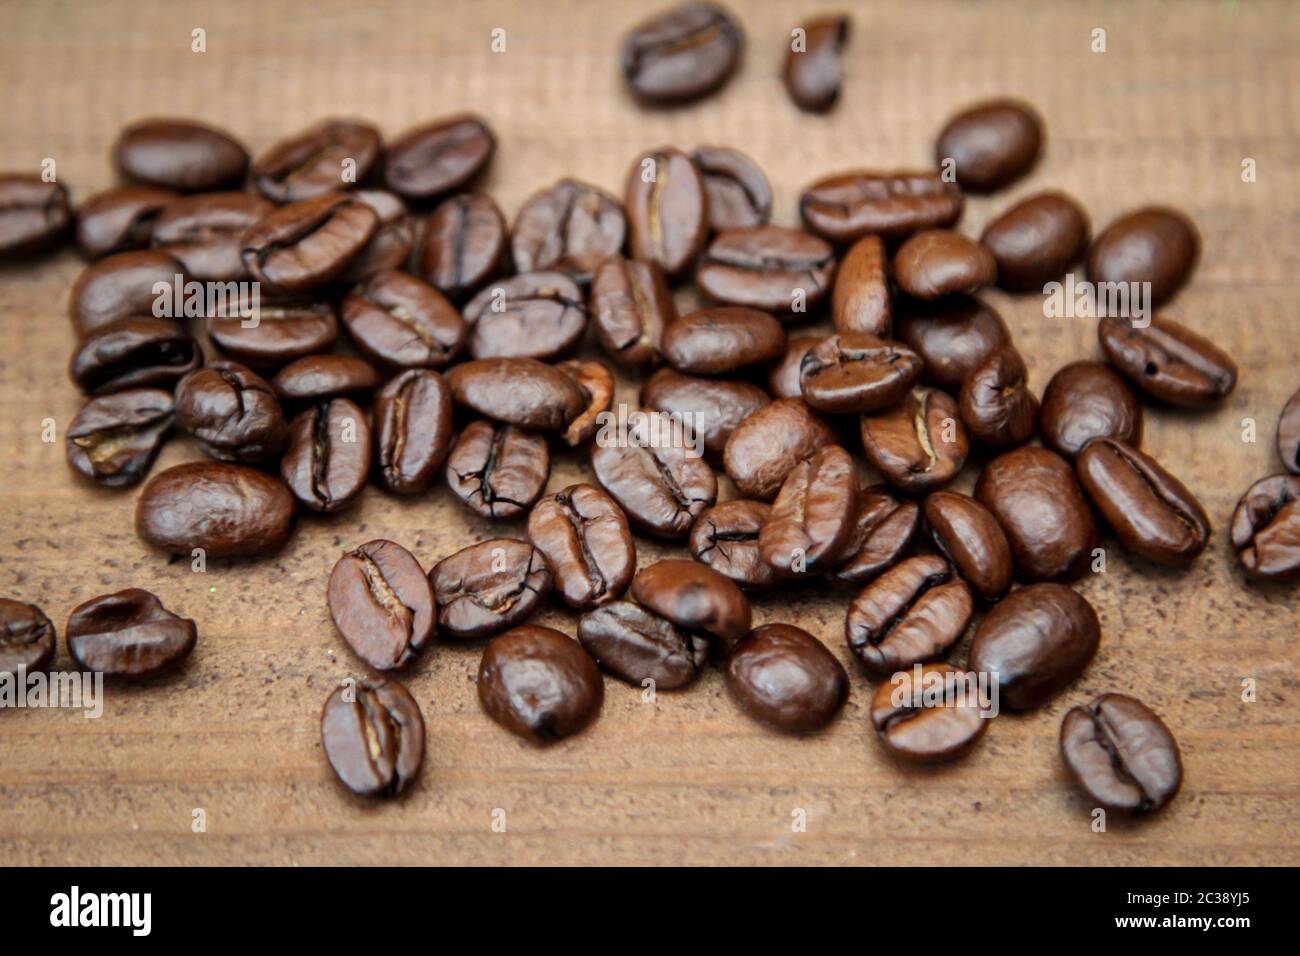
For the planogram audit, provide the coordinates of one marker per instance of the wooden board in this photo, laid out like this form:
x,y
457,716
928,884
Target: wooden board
x,y
1181,96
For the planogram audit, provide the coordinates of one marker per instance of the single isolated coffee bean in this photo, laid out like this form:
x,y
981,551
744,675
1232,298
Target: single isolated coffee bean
x,y
203,233
1037,240
120,287
498,470
226,510
306,244
584,536
539,684
782,675
34,215
1168,361
847,206
1288,434
280,333
27,637
394,237
1038,639
179,154
722,339
918,444
695,597
233,413
1121,754
636,646
373,734
681,54
132,353
329,156
884,528
400,321
767,267
115,438
119,219
1266,528
913,613
327,459
570,227
971,538
860,299
1087,400
1153,244
813,514
769,443
438,158
855,372
128,634
725,537
538,315
412,431
597,381
953,336
518,391
314,378
812,68
667,210
489,587
990,144
938,262
631,306
996,404
714,407
783,379
916,727
464,243
738,192
382,604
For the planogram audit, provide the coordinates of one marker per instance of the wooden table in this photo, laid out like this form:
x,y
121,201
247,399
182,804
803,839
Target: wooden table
x,y
1181,96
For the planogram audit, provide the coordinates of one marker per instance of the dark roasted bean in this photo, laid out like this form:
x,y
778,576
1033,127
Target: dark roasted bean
x,y
938,262
489,587
131,353
412,430
918,444
115,438
953,336
782,675
813,515
373,734
914,727
1288,434
630,307
180,154
694,596
583,534
681,54
971,538
463,245
226,510
667,210
122,286
856,372
232,412
571,227
394,238
539,684
597,381
34,215
331,155
991,144
847,206
714,407
498,470
328,457
27,637
400,321
314,378
519,391
308,243
1168,361
725,537
1037,240
438,158
1153,244
783,380
996,404
637,646
279,333
765,446
538,315
382,604
721,340
128,634
1266,528
739,194
883,529
910,614
812,69
119,219
767,267
1087,400
203,233
860,300
1121,754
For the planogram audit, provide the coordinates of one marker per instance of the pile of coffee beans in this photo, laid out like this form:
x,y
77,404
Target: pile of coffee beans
x,y
407,334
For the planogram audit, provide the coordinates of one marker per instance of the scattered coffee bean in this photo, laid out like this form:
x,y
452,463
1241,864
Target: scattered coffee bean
x,y
918,444
489,587
597,381
571,227
280,333
860,300
914,729
953,336
203,233
695,597
1037,240
438,158
783,380
226,510
132,353
667,210
394,237
913,613
382,604
1121,754
782,675
464,244
971,538
991,144
723,339
584,536
34,215
118,220
115,438
1266,528
306,244
314,162
937,262
637,646
315,378
120,287
128,634
179,154
412,431
27,637
725,537
1087,400
328,456
855,372
996,404
539,684
681,54
1153,244
498,470
812,72
847,206
813,514
518,391
714,407
373,734
537,315
767,267
630,307
1168,361
1288,434
769,443
738,192
398,320
232,412
883,529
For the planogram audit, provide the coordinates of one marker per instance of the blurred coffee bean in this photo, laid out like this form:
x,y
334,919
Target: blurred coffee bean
x,y
767,267
861,300
722,339
681,54
739,194
1266,528
991,144
27,638
119,219
132,353
464,243
571,227
812,72
1037,240
179,154
714,407
847,206
122,286
306,244
667,210
438,158
316,377
329,156
203,233
937,263
1153,244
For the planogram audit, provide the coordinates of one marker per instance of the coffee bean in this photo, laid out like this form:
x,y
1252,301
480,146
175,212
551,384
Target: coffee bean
x,y
597,381
738,192
667,210
306,244
539,684
132,353
860,300
953,336
1038,639
996,404
918,444
570,227
314,378
119,287
394,238
1168,361
769,443
280,333
630,308
883,529
812,73
119,219
991,144
1037,240
1153,244
373,734
518,391
498,470
913,613
232,412
328,457
537,315
489,587
1086,400
937,262
115,438
34,215
782,675
714,407
1288,434
813,514
382,604
412,431
694,596
847,206
398,320
203,233
583,534
1033,494
226,510
971,538
767,267
463,245
783,380
326,157
1121,754
1266,528
128,634
856,372
725,537
915,727
27,637
637,646
681,54
721,340
180,154
438,158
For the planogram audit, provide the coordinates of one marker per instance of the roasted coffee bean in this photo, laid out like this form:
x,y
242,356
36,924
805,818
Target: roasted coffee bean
x,y
27,637
306,244
914,727
390,247
597,381
1168,361
316,160
463,245
373,734
1153,244
121,287
783,380
782,675
971,538
519,391
180,154
1288,434
1038,639
721,340
813,514
1033,494
725,537
489,587
847,206
860,300
328,457
738,192
115,438
412,430
227,510
996,404
1037,240
571,227
656,474
856,372
400,321
537,315
667,210
128,634
314,378
883,529
583,534
714,407
119,219
203,233
1266,528
991,144
938,262
765,446
1150,511
694,596
918,444
681,54
382,604
1087,400
34,215
437,158
912,613
498,470
279,333
630,307
637,646
539,684
131,353
1121,754
812,72
953,336
232,412
767,267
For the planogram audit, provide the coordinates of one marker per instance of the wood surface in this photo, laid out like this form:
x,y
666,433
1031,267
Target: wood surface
x,y
1183,93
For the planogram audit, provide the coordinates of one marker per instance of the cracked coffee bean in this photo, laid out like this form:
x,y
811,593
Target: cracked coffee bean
x,y
539,684
636,646
1266,528
233,413
373,734
584,536
306,244
27,638
498,470
489,587
631,306
996,404
412,431
1121,754
115,438
327,459
382,604
128,634
913,613
725,538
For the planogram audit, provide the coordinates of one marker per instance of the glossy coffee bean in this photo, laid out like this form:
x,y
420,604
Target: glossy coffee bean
x,y
738,192
119,219
918,444
498,470
636,645
953,336
1168,361
412,431
1087,400
782,675
233,413
132,353
860,300
1288,434
178,154
327,459
917,724
373,735
306,244
280,333
769,443
382,604
326,157
1121,754
725,537
391,244
538,315
518,391
971,538
855,372
489,587
681,54
847,206
119,287
584,536
722,339
714,407
34,215
991,144
397,320
539,684
314,378
438,158
667,210
695,597
1038,639
767,267
1153,244
996,404
203,233
464,243
597,382
1037,240
813,514
913,613
570,227
1266,528
1033,494
812,73
937,263
884,528
115,438
227,510
128,634
27,637
783,379
631,306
